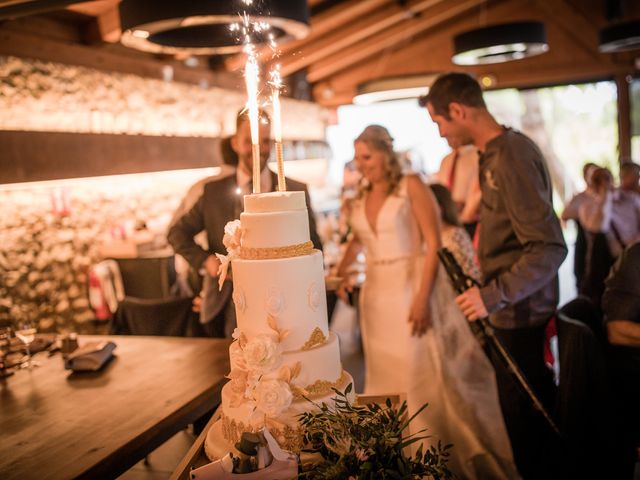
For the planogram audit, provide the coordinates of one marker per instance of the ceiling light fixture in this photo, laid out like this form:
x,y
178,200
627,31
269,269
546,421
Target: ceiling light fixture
x,y
500,43
202,27
393,88
620,37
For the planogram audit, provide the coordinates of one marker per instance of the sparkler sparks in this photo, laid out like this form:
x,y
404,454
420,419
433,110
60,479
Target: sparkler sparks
x,y
276,85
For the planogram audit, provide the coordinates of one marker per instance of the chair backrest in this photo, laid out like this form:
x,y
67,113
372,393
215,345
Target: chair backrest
x,y
583,403
147,277
162,317
583,310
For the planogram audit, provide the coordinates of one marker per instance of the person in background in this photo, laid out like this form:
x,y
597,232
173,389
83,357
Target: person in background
x,y
454,237
188,281
220,203
405,307
521,248
621,306
229,155
351,178
465,365
630,177
570,212
611,218
459,173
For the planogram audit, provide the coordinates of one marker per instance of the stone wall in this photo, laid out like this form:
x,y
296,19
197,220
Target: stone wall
x,y
50,234
45,96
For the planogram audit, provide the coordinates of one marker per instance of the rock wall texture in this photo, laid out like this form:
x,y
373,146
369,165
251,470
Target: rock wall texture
x,y
51,233
45,96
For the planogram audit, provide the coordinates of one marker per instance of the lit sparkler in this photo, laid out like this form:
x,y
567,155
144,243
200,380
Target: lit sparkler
x,y
251,75
276,85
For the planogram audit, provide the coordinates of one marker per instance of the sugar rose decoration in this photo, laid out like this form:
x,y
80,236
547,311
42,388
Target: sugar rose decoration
x,y
231,240
272,397
232,236
263,353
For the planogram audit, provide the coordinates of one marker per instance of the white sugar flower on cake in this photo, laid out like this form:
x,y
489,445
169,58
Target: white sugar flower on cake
x,y
231,240
272,397
263,353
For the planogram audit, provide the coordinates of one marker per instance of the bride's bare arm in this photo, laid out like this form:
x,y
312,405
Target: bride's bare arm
x,y
353,248
425,211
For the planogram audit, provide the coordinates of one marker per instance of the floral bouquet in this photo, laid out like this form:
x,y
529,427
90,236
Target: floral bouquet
x,y
366,442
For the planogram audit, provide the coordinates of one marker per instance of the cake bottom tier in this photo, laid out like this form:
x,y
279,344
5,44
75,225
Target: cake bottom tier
x,y
226,432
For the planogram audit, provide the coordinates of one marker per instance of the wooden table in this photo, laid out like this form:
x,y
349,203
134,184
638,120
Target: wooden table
x,y
55,424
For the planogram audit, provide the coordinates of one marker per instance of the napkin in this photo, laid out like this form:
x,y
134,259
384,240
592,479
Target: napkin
x,y
90,357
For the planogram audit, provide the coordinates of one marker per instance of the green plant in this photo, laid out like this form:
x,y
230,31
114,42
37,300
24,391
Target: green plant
x,y
366,442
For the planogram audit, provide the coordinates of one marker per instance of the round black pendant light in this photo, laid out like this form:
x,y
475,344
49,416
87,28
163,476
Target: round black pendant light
x,y
500,43
620,37
393,88
203,27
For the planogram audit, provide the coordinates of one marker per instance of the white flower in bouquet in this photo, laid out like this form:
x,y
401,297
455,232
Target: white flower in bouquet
x,y
263,353
272,397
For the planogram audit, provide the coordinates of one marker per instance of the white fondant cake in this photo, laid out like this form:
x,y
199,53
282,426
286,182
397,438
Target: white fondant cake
x,y
282,350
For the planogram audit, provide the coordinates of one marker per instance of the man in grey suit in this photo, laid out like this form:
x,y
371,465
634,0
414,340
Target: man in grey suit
x,y
221,202
520,250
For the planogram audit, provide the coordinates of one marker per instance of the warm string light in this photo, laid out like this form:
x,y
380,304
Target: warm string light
x,y
276,85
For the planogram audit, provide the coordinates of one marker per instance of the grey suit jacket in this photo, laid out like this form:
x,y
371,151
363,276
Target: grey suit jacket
x,y
218,205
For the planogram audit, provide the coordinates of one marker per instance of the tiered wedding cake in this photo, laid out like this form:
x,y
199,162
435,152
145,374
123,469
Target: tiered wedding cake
x,y
282,350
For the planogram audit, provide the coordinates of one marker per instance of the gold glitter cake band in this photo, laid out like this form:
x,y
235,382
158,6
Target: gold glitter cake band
x,y
298,250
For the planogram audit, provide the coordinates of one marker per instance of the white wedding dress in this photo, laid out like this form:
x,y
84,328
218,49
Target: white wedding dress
x,y
445,367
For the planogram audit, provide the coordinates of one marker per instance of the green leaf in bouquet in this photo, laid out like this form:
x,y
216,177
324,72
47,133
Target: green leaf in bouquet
x,y
367,442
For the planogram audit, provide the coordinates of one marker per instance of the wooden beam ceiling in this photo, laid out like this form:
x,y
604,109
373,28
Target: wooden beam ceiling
x,y
388,39
364,30
94,9
326,22
582,32
350,42
103,28
23,40
431,52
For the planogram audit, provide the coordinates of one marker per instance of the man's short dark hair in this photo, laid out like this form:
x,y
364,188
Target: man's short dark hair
x,y
243,116
629,167
453,87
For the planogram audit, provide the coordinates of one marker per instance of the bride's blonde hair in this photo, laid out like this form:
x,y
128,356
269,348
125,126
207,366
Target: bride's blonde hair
x,y
378,138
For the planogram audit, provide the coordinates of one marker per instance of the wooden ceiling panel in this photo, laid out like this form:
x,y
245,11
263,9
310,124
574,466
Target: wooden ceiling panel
x,y
364,30
431,53
350,42
94,9
386,41
103,28
331,21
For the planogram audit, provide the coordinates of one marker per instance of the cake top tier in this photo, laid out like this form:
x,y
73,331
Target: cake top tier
x,y
274,202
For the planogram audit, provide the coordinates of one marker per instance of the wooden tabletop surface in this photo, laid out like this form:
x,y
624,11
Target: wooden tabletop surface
x,y
55,424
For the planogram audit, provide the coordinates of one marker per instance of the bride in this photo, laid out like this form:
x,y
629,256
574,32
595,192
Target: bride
x,y
411,327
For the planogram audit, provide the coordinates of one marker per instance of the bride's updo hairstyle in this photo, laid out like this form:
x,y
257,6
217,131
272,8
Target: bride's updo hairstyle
x,y
378,138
